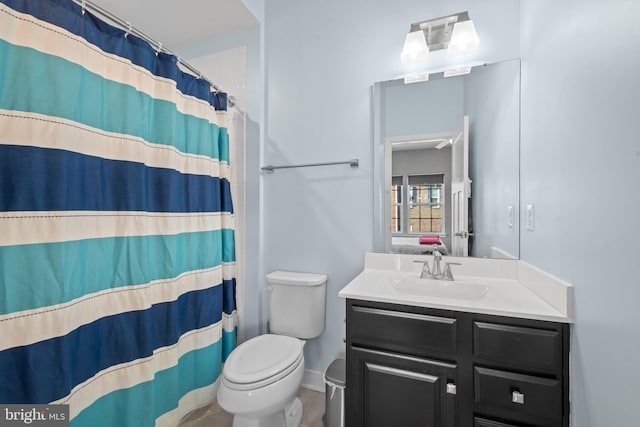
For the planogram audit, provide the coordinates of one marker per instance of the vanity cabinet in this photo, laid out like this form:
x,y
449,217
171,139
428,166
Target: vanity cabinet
x,y
415,366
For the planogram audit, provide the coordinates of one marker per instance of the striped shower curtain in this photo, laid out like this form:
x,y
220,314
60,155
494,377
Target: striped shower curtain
x,y
117,288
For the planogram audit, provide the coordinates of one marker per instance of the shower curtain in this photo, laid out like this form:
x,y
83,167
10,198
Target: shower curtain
x,y
117,253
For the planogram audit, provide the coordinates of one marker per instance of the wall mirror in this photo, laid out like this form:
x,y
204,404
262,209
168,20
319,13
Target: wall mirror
x,y
446,163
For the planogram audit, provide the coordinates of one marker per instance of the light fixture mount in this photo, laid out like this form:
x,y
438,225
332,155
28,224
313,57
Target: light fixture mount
x,y
438,31
455,32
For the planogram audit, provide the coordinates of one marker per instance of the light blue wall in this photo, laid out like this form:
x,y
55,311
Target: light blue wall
x,y
436,106
492,102
321,59
581,168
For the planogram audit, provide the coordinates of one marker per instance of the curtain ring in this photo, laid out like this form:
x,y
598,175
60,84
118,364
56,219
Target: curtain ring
x,y
159,49
128,30
84,6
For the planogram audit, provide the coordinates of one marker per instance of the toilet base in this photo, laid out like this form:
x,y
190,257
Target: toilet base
x,y
293,413
290,416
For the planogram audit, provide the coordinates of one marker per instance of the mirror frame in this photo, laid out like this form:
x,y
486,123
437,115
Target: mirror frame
x,y
382,167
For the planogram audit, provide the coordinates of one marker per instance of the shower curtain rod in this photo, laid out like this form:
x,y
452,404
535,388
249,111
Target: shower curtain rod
x,y
126,26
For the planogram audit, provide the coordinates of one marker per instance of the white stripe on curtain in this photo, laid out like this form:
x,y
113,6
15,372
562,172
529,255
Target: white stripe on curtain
x,y
30,227
33,129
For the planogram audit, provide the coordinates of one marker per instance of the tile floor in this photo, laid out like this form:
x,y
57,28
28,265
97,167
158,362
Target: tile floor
x,y
214,416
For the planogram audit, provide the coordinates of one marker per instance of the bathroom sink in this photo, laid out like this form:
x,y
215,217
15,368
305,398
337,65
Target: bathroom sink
x,y
440,288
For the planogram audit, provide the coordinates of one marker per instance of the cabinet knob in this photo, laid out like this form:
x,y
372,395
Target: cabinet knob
x,y
451,388
517,397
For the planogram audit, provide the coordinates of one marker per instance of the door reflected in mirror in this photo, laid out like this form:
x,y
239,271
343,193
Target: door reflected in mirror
x,y
447,163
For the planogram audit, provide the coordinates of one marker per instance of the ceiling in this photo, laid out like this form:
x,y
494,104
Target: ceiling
x,y
176,23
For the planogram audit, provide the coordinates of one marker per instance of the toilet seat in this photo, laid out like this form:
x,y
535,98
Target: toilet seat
x,y
261,361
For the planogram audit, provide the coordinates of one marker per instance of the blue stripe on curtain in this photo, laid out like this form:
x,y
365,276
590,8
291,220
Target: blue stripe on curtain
x,y
229,303
83,354
127,324
67,15
31,177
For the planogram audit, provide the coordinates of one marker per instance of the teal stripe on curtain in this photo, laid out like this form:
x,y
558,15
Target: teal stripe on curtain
x,y
107,263
229,342
149,400
71,92
124,281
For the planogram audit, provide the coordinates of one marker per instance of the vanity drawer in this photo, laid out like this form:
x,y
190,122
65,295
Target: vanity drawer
x,y
412,333
531,347
524,394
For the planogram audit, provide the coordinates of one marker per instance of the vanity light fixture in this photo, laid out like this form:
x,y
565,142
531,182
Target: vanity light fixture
x,y
456,33
415,78
457,71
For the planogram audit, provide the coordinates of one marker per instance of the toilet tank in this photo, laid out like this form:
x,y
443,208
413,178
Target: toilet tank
x,y
296,303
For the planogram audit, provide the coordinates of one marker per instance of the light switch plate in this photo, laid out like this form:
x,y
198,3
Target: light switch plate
x,y
510,216
531,217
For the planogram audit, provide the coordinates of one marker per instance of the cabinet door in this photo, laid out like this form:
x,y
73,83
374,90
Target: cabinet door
x,y
388,389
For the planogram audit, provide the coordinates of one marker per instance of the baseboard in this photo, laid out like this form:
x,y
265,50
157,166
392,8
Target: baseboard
x,y
313,380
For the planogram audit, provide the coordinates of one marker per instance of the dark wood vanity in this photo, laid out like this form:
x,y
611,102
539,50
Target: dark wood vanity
x,y
414,366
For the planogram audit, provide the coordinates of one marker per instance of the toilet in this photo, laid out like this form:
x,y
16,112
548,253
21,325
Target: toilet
x,y
261,377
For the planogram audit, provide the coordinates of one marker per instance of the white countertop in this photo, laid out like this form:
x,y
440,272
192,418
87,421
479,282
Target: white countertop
x,y
515,288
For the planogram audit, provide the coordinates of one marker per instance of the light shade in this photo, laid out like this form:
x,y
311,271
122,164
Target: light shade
x,y
415,48
464,39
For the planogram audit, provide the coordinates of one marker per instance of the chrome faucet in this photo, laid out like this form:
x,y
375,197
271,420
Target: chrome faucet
x,y
437,272
425,273
447,275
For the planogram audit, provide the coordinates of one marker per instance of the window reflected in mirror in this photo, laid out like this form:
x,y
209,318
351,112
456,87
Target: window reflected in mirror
x,y
426,209
423,211
418,211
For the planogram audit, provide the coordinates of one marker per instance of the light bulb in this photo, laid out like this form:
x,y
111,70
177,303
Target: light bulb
x,y
415,48
464,39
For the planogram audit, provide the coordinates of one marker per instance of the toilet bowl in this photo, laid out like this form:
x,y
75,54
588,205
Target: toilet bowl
x,y
260,381
261,377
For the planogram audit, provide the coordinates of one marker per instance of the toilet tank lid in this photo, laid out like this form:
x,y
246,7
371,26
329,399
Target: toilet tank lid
x,y
293,278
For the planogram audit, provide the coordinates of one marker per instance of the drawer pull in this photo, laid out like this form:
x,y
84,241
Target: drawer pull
x,y
451,388
517,397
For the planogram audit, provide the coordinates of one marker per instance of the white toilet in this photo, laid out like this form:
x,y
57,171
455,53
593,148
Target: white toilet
x,y
261,377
